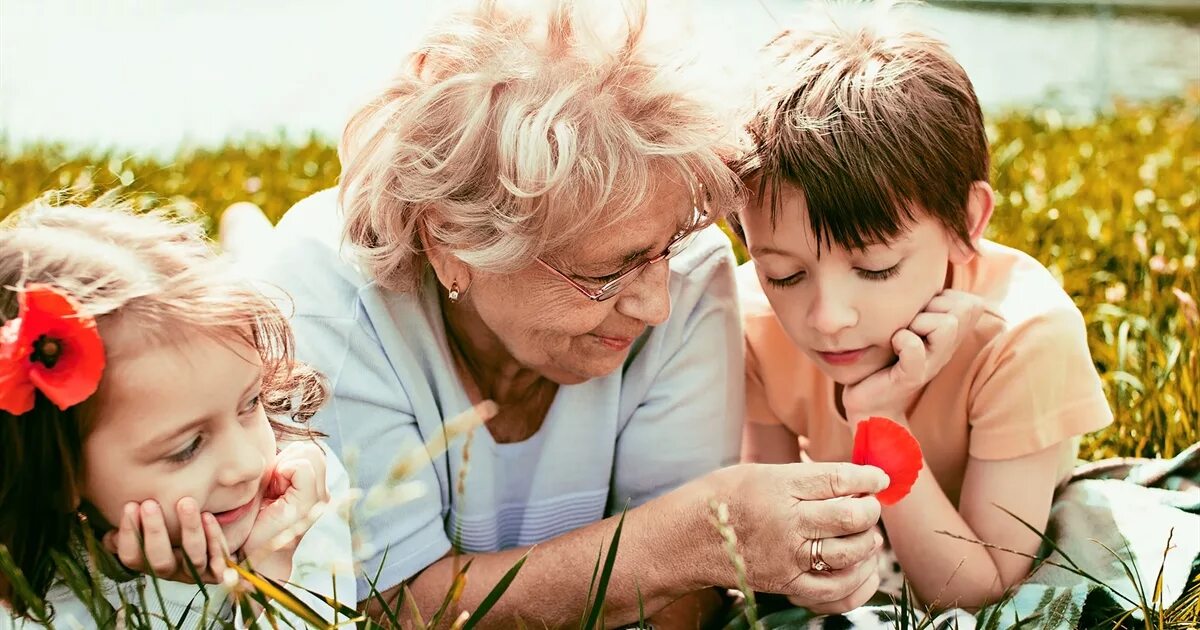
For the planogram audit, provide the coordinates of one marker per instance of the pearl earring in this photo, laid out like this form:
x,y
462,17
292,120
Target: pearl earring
x,y
454,293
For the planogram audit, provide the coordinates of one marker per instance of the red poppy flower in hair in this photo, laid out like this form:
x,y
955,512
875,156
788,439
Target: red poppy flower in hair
x,y
49,348
888,446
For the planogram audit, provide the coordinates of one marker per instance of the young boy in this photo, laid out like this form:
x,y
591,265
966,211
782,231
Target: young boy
x,y
873,293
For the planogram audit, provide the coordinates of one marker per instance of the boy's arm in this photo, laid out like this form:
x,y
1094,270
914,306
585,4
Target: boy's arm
x,y
1037,388
946,571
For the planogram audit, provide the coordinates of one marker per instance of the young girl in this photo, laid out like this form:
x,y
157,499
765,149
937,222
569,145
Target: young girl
x,y
145,393
873,293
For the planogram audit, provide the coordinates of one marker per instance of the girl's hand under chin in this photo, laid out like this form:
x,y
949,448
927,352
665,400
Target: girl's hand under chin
x,y
294,497
201,542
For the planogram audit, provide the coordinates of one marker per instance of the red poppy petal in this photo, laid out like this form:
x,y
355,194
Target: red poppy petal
x,y
43,308
16,390
76,374
887,445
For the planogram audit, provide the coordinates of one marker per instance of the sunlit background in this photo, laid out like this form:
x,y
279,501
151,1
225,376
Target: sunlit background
x,y
150,74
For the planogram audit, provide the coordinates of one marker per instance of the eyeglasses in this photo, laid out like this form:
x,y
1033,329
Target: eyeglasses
x,y
623,279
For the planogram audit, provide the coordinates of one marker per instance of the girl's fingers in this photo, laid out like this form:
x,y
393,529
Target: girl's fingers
x,y
217,549
314,457
159,555
192,535
304,482
129,548
318,466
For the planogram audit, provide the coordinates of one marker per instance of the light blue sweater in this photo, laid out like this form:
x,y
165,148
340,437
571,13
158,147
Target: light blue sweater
x,y
672,413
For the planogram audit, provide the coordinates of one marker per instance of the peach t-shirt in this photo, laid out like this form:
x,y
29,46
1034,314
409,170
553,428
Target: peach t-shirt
x,y
1023,381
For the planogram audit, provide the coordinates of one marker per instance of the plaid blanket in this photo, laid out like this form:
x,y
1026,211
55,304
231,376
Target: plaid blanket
x,y
1126,522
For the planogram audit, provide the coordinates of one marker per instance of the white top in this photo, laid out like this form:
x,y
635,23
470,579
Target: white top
x,y
322,563
672,413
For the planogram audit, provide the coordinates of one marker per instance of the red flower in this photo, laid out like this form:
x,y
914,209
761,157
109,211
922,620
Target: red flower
x,y
49,347
885,444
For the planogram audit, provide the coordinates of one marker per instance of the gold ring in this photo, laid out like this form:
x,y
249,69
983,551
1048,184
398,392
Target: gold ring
x,y
815,560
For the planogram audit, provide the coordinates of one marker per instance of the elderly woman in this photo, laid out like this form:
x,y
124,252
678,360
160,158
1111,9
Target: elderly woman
x,y
510,203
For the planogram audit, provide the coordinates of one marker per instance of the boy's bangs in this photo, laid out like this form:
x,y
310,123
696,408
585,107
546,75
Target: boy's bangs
x,y
852,209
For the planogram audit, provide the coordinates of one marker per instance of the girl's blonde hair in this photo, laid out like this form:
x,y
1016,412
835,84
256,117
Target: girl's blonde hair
x,y
506,137
147,271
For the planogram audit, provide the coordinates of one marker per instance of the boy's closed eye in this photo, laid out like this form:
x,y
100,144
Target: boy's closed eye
x,y
878,274
864,272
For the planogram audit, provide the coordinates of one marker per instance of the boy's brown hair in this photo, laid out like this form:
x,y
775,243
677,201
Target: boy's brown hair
x,y
872,124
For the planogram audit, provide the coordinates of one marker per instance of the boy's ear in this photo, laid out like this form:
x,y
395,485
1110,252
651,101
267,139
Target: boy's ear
x,y
448,268
980,203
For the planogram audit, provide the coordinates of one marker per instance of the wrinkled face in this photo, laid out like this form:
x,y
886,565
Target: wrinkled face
x,y
549,326
842,307
181,420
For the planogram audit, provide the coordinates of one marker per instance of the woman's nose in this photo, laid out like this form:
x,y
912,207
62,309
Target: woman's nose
x,y
648,298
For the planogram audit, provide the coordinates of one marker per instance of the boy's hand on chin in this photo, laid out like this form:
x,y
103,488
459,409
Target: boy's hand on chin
x,y
292,501
922,350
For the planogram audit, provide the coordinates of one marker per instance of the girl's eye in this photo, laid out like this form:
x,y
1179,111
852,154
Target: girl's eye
x,y
251,405
784,283
188,452
880,274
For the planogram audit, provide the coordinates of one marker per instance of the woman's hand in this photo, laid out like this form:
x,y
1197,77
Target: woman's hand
x,y
201,542
777,511
293,500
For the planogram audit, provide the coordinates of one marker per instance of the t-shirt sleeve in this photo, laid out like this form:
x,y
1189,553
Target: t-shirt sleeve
x,y
688,422
1037,387
370,424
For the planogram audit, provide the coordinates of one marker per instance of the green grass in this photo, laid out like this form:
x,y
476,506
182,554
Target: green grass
x,y
1111,206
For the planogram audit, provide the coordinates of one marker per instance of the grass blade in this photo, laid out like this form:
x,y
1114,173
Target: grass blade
x,y
494,595
452,595
277,593
587,603
411,602
602,587
338,607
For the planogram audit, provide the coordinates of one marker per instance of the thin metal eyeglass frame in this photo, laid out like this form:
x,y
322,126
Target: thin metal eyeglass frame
x,y
616,285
